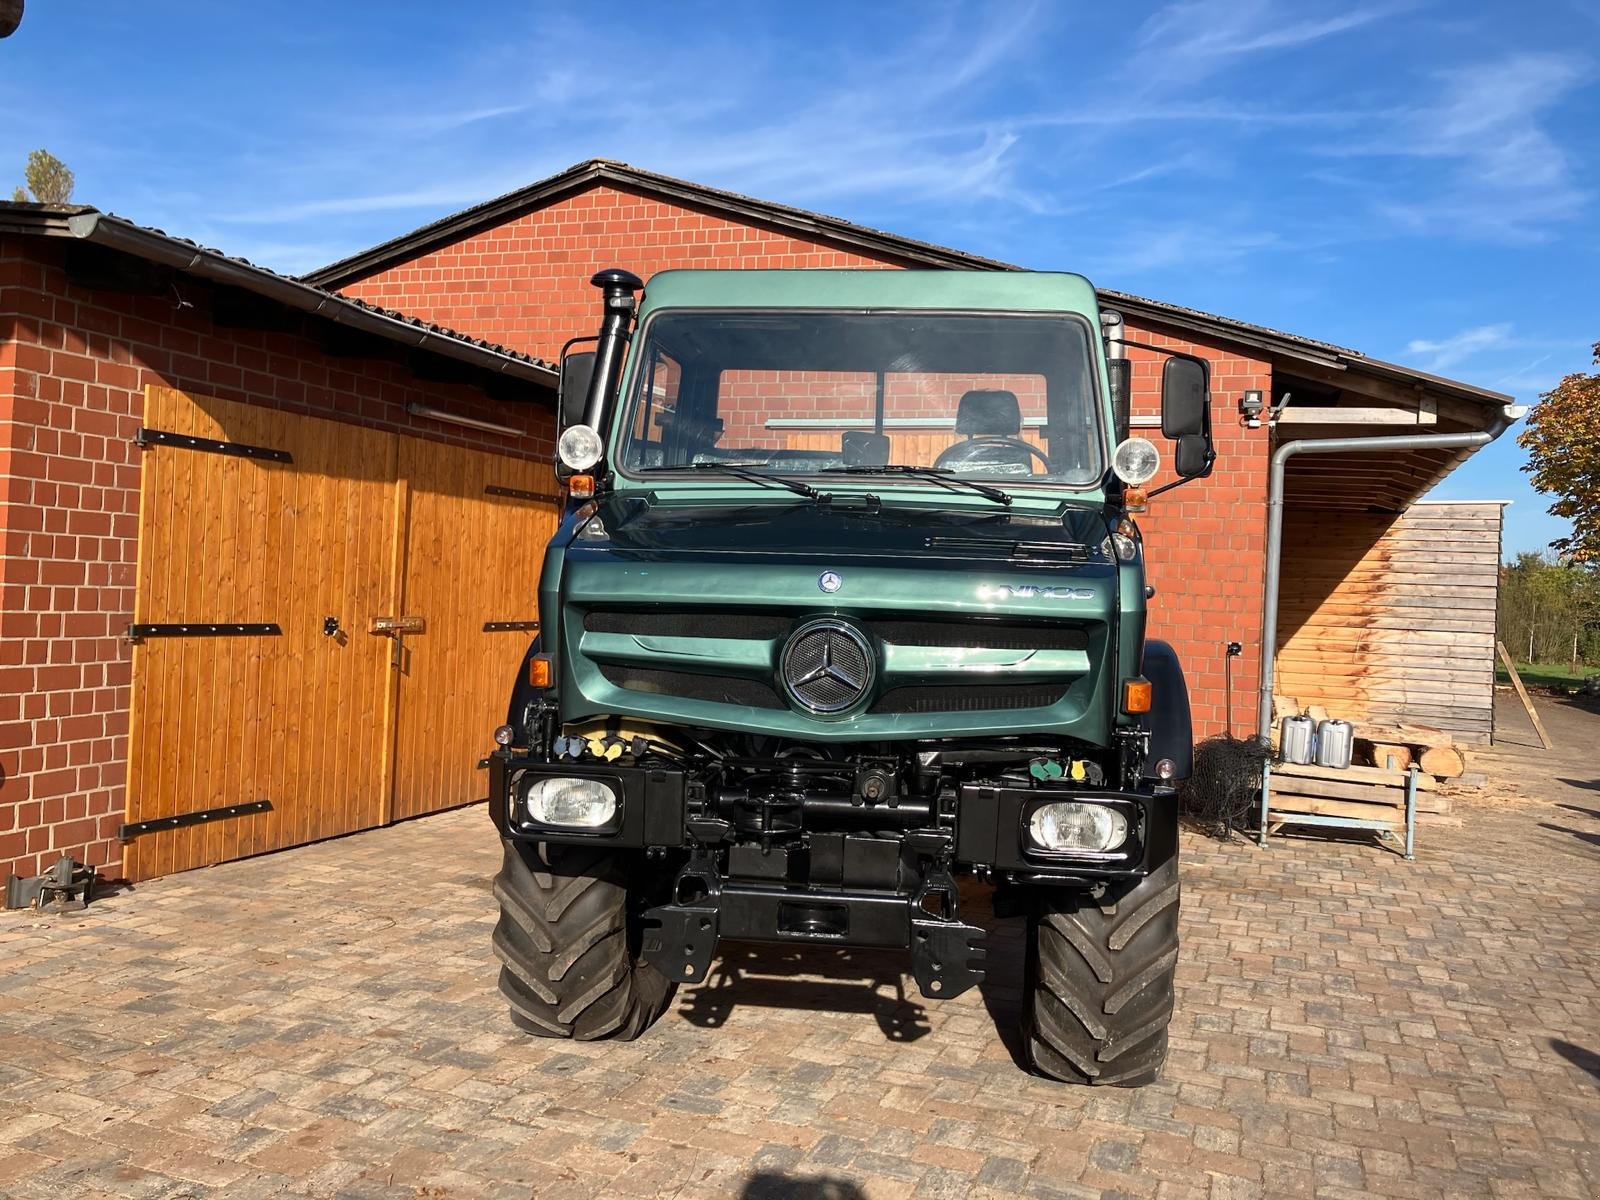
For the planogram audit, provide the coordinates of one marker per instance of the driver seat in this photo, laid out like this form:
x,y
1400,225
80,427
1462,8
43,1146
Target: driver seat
x,y
988,414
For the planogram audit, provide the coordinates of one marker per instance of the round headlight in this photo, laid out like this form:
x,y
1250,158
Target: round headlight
x,y
1136,461
579,447
1070,825
577,803
504,736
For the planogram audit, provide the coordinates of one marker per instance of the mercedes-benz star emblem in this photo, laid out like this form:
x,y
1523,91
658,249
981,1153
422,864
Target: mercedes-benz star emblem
x,y
830,581
827,666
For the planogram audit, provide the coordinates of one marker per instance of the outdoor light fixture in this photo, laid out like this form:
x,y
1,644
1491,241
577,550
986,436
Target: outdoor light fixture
x,y
1251,405
450,418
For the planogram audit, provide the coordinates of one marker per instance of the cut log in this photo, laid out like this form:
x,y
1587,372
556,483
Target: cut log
x,y
1443,762
1404,735
1386,755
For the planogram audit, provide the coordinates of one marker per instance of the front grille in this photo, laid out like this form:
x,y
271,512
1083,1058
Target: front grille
x,y
686,685
967,698
981,635
696,622
711,622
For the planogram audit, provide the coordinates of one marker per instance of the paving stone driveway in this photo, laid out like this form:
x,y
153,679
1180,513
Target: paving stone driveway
x,y
324,1022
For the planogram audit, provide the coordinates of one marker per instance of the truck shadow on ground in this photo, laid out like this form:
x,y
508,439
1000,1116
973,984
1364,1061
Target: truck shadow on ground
x,y
811,978
775,1185
1587,1060
1581,834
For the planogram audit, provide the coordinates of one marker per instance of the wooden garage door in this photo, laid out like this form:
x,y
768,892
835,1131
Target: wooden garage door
x,y
320,724
477,528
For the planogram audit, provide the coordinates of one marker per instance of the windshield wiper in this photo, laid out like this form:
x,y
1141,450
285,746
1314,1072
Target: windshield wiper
x,y
943,476
761,477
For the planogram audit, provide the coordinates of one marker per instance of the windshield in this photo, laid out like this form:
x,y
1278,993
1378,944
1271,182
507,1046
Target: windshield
x,y
1003,397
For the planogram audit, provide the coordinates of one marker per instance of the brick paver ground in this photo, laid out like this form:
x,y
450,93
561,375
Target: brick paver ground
x,y
324,1022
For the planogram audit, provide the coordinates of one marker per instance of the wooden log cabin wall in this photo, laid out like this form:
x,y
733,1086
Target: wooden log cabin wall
x,y
1390,620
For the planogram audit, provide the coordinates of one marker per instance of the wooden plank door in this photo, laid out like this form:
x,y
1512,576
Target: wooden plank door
x,y
296,719
472,557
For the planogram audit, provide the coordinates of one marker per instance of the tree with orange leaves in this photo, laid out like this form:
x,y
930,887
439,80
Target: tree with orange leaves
x,y
1562,439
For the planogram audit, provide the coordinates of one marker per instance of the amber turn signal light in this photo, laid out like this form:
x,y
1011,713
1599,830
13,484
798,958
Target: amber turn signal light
x,y
580,487
1135,499
539,673
1136,695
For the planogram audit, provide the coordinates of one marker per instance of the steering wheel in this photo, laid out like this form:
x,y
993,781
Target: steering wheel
x,y
972,450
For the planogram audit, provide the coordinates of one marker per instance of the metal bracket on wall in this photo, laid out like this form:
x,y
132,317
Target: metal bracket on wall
x,y
137,828
494,489
138,633
146,438
510,626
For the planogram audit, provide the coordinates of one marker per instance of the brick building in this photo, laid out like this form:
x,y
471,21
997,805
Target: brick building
x,y
253,474
101,324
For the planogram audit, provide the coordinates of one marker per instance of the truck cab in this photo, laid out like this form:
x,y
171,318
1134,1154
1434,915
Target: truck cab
x,y
846,611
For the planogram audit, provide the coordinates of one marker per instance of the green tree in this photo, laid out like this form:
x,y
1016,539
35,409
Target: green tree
x,y
1550,611
19,195
48,179
1563,443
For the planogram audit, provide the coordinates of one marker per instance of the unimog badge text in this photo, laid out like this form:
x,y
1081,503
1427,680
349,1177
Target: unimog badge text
x,y
1028,591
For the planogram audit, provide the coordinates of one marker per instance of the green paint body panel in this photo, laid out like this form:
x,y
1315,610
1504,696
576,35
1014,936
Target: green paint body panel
x,y
730,566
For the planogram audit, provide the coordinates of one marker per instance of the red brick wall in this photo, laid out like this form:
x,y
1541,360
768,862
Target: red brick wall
x,y
1205,543
525,284
73,368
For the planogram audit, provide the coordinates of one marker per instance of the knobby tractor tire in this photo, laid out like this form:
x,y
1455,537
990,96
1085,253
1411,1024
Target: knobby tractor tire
x,y
570,967
1099,987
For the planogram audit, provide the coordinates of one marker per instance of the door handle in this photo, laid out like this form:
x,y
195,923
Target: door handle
x,y
395,626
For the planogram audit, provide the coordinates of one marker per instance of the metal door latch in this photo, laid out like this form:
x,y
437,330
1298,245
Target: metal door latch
x,y
330,626
394,626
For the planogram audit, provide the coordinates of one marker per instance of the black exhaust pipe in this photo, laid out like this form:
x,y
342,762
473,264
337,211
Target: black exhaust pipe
x,y
617,287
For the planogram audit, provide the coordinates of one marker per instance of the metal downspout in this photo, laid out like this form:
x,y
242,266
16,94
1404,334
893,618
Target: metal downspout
x,y
1346,445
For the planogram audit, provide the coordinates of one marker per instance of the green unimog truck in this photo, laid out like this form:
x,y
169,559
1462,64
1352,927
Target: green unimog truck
x,y
847,607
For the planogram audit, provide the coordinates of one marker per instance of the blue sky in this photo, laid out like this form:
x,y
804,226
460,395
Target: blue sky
x,y
1413,179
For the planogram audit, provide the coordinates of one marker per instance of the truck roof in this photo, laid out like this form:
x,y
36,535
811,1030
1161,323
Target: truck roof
x,y
984,291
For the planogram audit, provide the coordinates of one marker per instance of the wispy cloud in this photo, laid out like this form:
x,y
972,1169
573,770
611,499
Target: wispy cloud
x,y
1503,174
1448,352
1194,38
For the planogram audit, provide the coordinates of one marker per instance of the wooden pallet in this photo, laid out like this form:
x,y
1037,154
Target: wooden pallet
x,y
1367,798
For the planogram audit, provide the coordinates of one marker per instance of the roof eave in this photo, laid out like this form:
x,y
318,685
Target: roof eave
x,y
90,225
879,243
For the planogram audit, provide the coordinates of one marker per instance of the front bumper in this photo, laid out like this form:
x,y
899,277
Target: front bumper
x,y
989,820
837,878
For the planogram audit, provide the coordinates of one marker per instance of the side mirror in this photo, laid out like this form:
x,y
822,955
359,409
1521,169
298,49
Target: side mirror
x,y
1193,456
1186,415
577,369
1185,388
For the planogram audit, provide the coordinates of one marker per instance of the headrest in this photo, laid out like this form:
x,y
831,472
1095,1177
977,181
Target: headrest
x,y
995,413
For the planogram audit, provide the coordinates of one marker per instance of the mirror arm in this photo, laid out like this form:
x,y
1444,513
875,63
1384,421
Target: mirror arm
x,y
1165,350
1179,482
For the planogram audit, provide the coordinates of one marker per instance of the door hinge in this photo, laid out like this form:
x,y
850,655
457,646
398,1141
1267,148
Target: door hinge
x,y
147,437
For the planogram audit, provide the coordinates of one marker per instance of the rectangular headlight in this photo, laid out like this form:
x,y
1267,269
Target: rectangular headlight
x,y
1071,826
573,803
